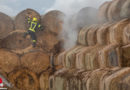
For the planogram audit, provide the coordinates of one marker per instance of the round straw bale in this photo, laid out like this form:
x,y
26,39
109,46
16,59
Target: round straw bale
x,y
92,36
125,13
8,60
44,80
126,35
48,42
125,56
6,25
93,82
114,10
52,21
116,32
15,41
103,34
36,61
102,13
24,79
82,36
21,19
3,73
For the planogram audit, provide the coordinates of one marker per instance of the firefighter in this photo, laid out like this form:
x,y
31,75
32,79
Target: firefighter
x,y
33,27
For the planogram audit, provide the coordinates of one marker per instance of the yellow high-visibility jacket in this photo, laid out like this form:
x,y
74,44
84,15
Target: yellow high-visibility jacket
x,y
33,26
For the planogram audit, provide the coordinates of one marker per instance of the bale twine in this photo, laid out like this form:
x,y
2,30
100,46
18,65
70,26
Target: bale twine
x,y
35,61
8,60
102,13
6,25
53,21
114,10
116,32
24,79
21,21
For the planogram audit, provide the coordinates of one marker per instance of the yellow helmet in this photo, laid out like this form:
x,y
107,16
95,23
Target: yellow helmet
x,y
35,19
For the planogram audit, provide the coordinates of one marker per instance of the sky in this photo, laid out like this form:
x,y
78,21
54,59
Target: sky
x,y
13,7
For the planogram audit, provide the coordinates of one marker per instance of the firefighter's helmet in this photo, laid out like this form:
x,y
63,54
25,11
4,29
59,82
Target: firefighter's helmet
x,y
35,19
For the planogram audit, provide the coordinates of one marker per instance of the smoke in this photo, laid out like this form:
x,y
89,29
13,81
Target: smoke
x,y
70,8
69,33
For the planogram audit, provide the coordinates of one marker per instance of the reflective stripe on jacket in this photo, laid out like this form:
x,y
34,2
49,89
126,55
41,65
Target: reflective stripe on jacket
x,y
33,26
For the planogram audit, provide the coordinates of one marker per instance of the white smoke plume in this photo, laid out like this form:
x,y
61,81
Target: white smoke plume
x,y
71,7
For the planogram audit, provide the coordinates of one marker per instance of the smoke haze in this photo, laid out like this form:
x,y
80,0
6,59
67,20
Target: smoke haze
x,y
70,8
